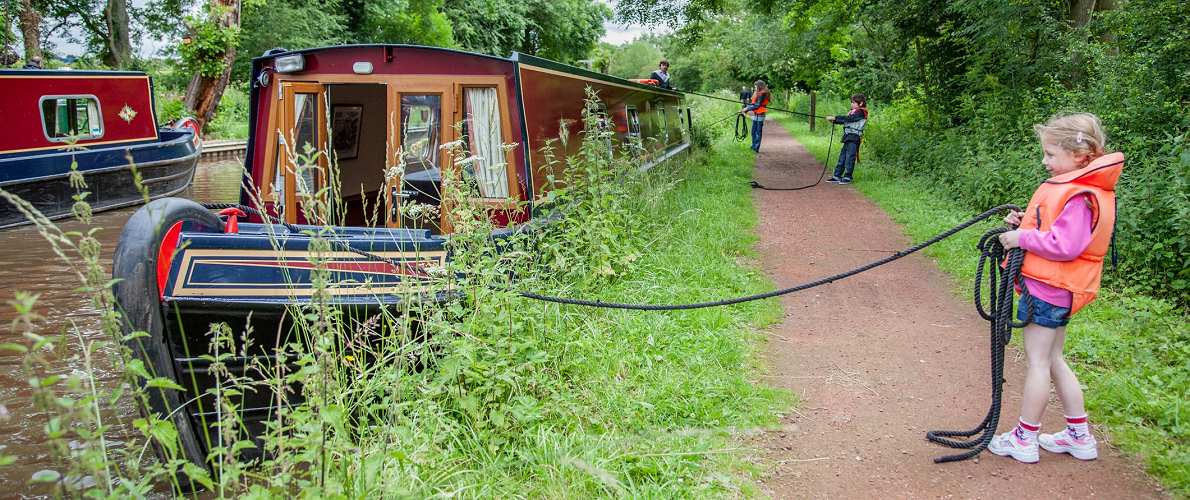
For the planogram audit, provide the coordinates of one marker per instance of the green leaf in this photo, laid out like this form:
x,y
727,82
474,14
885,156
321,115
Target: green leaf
x,y
164,383
198,474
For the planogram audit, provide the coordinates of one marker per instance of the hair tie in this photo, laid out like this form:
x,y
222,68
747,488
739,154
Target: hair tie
x,y
1079,138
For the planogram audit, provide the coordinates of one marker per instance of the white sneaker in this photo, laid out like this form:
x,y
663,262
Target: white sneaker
x,y
1078,445
1012,445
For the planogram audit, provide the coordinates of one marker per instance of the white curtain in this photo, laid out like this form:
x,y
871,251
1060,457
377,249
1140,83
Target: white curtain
x,y
489,167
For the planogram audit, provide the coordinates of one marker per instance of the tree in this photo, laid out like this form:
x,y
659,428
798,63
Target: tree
x,y
119,45
8,55
564,30
291,24
635,59
209,52
105,26
420,22
30,21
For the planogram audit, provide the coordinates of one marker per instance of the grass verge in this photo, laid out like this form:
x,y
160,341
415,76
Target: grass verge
x,y
1131,352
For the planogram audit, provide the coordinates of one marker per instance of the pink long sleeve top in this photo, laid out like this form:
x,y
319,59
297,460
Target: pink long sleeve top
x,y
1067,239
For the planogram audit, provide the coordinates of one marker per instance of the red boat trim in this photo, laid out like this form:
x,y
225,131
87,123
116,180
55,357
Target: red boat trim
x,y
165,256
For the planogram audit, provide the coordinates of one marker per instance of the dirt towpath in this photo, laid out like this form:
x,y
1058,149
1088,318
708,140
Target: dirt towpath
x,y
880,358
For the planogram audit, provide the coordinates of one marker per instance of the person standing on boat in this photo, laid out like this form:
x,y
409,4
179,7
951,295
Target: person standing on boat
x,y
757,107
662,75
33,63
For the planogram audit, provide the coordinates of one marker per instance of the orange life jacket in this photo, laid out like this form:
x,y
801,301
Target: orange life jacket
x,y
760,110
1081,275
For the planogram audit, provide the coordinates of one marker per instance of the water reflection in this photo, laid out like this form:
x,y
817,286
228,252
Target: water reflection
x,y
27,263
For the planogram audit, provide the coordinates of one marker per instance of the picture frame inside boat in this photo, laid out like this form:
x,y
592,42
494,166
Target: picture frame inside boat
x,y
345,130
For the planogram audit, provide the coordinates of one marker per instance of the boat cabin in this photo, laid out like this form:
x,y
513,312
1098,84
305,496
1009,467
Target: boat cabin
x,y
380,115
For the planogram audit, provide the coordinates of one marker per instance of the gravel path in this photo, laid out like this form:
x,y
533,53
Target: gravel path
x,y
880,358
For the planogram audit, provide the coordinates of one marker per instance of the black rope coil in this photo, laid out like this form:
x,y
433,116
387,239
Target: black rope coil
x,y
998,313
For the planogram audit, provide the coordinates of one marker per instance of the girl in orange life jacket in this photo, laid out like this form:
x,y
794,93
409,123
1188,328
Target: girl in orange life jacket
x,y
853,133
1065,232
758,106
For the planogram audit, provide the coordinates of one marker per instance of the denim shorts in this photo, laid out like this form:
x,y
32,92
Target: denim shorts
x,y
1044,313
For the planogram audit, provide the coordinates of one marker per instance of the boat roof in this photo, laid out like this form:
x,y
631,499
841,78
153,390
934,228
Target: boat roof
x,y
515,58
68,72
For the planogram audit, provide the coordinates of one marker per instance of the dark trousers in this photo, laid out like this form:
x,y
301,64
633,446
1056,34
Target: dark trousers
x,y
757,131
846,160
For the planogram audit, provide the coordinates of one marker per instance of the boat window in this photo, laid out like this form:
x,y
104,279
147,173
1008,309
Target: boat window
x,y
67,118
660,118
421,116
278,191
599,110
481,129
633,122
305,133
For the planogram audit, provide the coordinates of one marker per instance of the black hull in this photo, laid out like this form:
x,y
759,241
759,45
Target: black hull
x,y
109,188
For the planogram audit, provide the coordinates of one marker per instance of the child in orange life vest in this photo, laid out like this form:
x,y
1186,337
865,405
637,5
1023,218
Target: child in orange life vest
x,y
758,108
1065,232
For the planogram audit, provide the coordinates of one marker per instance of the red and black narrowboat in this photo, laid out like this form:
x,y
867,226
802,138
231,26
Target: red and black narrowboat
x,y
100,123
381,113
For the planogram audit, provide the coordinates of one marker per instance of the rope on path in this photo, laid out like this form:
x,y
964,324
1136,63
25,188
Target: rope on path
x,y
998,313
775,293
830,142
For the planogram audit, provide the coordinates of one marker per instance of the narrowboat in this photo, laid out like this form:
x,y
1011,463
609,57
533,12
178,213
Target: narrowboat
x,y
101,124
381,115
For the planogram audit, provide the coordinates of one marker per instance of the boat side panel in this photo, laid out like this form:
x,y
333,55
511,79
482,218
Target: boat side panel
x,y
256,267
553,113
125,102
164,168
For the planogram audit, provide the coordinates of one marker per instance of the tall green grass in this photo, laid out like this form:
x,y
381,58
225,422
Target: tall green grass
x,y
1131,352
509,398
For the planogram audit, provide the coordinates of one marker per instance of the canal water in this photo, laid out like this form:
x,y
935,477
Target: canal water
x,y
28,264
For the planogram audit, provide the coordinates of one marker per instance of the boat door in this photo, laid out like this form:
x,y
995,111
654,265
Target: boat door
x,y
422,130
303,151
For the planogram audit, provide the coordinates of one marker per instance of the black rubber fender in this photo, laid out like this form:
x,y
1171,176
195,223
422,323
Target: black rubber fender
x,y
138,300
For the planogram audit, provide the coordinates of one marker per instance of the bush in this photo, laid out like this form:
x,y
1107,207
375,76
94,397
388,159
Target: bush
x,y
981,168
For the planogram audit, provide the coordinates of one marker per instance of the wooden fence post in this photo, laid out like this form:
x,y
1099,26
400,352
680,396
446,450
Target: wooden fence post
x,y
813,108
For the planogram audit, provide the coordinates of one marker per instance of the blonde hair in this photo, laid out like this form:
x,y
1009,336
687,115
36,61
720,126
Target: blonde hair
x,y
1078,133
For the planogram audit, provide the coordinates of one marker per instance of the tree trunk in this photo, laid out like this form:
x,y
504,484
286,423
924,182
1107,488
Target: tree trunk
x,y
30,29
1080,12
921,69
203,93
813,108
119,46
8,56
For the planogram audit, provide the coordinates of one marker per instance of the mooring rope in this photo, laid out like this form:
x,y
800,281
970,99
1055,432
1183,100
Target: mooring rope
x,y
998,311
737,101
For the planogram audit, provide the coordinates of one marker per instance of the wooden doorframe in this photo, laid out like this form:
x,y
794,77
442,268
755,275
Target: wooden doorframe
x,y
286,128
